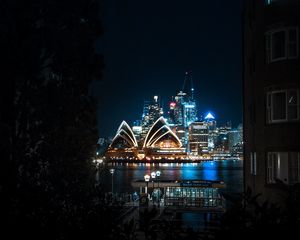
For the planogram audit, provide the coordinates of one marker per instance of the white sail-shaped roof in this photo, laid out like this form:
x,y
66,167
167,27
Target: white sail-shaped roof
x,y
157,131
125,132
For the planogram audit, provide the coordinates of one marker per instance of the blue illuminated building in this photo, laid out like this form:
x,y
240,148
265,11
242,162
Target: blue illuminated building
x,y
188,102
209,117
183,110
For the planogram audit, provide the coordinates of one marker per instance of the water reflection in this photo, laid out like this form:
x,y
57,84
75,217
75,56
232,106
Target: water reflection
x,y
229,171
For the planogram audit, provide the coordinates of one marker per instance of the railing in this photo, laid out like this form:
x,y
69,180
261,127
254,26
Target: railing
x,y
202,198
203,203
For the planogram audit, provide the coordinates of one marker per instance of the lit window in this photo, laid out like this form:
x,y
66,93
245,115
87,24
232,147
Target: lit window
x,y
283,166
282,44
283,106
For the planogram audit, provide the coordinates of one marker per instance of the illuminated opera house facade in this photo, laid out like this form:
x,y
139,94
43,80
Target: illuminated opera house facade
x,y
160,142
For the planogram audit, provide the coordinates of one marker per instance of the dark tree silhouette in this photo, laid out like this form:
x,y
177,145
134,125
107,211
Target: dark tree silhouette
x,y
48,121
249,217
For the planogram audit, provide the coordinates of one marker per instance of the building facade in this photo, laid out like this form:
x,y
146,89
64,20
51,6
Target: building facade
x,y
271,96
235,137
151,112
183,109
212,131
198,138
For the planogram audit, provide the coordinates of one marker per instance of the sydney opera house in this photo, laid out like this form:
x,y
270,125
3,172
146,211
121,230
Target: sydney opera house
x,y
160,142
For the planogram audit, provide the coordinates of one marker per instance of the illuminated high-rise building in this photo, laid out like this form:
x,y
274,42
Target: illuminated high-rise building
x,y
222,138
145,108
235,138
198,138
182,111
151,112
186,96
183,107
212,130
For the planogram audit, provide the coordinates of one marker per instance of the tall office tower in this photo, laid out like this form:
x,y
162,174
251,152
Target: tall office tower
x,y
271,96
222,143
183,110
145,119
211,121
145,108
175,113
172,113
198,138
151,113
183,107
213,133
235,141
234,138
188,102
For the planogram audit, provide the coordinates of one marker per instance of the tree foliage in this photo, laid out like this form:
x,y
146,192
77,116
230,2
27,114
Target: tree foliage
x,y
48,120
250,217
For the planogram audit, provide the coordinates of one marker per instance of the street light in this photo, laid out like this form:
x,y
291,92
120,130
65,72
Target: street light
x,y
158,175
147,178
153,175
112,180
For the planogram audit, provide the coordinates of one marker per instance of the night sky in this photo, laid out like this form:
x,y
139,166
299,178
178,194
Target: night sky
x,y
148,46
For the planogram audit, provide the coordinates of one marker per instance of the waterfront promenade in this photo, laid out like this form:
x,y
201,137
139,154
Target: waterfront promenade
x,y
165,160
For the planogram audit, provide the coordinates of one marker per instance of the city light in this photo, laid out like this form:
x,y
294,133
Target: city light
x,y
173,104
209,116
179,136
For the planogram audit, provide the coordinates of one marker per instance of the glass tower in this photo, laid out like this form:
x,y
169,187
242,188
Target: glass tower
x,y
182,110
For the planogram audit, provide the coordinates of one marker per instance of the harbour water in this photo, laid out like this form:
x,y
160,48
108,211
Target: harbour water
x,y
229,171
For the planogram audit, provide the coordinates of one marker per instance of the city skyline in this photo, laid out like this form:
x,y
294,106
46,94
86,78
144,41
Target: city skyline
x,y
148,47
164,103
177,134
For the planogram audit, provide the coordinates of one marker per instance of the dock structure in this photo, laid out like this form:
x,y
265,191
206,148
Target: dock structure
x,y
199,195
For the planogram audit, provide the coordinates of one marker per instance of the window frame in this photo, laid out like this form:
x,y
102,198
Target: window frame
x,y
269,44
272,170
270,109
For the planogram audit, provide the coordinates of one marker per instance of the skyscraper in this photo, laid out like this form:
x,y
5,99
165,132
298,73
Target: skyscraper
x,y
145,108
212,130
151,112
183,110
235,141
188,102
183,107
198,138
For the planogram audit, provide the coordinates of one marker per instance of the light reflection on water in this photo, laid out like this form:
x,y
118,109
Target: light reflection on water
x,y
229,171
